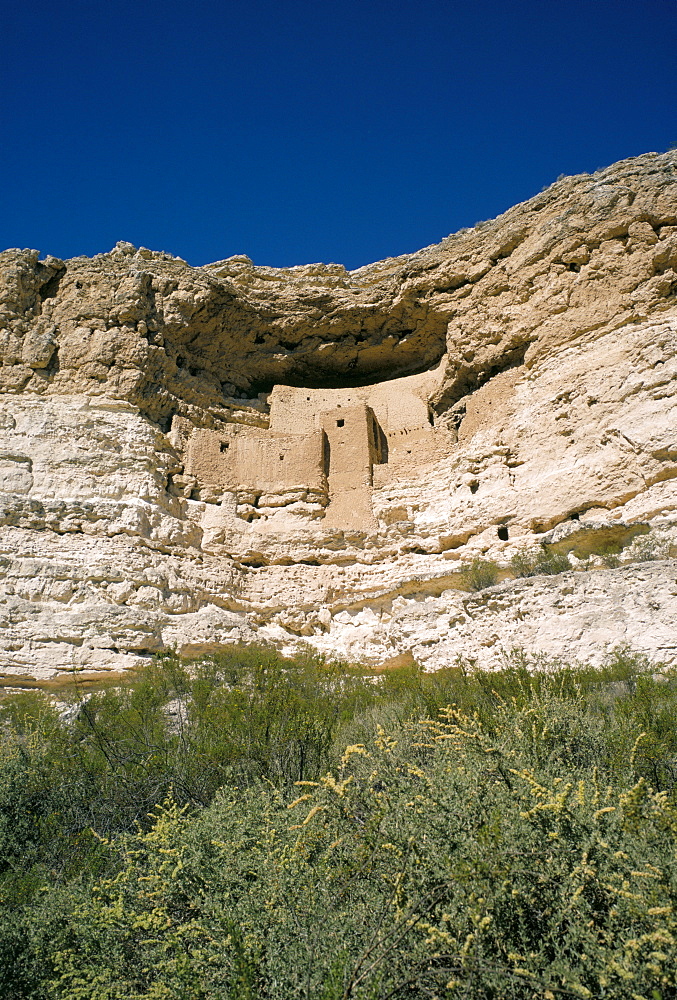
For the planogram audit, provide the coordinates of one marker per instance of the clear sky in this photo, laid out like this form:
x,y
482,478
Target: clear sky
x,y
297,131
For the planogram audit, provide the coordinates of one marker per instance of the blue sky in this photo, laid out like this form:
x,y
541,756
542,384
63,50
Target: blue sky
x,y
297,131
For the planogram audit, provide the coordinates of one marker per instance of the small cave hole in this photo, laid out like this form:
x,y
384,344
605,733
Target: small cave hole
x,y
281,458
180,361
575,517
224,446
474,486
51,287
165,422
340,423
503,533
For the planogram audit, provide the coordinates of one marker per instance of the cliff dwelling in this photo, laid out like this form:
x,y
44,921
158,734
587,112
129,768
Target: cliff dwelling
x,y
322,452
193,457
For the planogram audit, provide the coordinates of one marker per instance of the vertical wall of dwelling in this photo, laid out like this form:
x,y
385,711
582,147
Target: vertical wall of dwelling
x,y
253,459
351,449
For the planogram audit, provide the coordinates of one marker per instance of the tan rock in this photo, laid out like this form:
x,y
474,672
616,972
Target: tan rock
x,y
194,456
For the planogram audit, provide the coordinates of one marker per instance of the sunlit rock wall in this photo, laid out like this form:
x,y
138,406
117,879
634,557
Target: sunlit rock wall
x,y
546,344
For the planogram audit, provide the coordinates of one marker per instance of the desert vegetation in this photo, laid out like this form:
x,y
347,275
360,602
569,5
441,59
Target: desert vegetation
x,y
548,560
252,826
481,573
533,562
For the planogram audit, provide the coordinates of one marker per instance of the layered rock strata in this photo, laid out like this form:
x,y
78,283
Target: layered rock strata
x,y
195,456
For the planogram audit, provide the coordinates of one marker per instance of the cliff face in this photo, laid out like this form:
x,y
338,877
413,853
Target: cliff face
x,y
193,456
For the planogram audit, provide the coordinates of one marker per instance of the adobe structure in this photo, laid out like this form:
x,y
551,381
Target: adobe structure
x,y
322,451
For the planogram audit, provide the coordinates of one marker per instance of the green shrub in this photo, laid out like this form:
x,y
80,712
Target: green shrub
x,y
521,843
480,574
437,860
646,548
534,562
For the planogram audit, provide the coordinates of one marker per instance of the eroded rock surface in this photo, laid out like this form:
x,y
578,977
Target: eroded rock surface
x,y
193,456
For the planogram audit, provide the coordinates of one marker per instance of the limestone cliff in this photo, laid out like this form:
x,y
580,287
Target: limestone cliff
x,y
191,456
